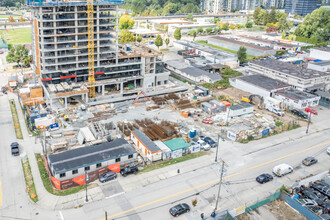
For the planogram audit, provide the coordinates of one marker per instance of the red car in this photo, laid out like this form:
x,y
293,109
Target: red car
x,y
299,52
308,109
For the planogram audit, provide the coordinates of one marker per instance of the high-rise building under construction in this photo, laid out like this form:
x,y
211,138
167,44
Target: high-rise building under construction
x,y
62,55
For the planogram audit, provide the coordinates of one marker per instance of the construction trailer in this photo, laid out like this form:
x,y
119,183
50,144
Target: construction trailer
x,y
178,146
166,152
62,51
145,146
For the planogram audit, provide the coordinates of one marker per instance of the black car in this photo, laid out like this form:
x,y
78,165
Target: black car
x,y
299,113
264,178
107,176
309,193
14,148
322,188
211,142
128,170
179,209
308,161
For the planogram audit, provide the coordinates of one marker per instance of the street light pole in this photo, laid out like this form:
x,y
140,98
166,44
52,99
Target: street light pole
x,y
86,179
309,121
216,154
220,182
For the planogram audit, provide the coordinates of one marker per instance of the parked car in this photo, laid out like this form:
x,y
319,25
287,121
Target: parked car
x,y
322,187
300,52
179,209
282,169
309,109
210,141
328,150
264,178
128,169
14,148
204,145
299,113
309,193
308,161
108,176
307,202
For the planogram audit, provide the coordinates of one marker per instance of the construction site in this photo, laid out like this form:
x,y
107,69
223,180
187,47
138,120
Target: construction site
x,y
77,55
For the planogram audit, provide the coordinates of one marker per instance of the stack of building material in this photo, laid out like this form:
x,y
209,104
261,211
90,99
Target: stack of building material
x,y
52,88
66,86
59,88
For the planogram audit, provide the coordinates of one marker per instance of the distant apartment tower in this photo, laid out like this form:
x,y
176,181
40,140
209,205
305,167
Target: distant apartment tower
x,y
60,49
273,3
301,7
218,6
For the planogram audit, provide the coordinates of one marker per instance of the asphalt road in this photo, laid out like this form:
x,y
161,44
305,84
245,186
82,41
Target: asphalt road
x,y
239,183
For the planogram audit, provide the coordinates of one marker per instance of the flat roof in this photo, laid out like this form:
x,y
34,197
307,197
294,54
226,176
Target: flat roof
x,y
263,82
146,140
290,69
194,71
215,52
88,155
144,31
295,94
327,49
240,106
240,43
176,144
271,42
321,63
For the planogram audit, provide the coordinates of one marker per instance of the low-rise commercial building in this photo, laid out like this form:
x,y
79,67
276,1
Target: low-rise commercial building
x,y
258,84
235,44
178,147
297,76
67,169
296,99
323,66
146,147
322,53
242,109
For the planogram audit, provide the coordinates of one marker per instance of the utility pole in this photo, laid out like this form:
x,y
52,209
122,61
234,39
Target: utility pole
x,y
86,179
309,121
106,215
216,154
220,182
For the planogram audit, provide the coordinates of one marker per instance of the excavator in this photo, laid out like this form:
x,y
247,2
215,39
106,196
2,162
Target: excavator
x,y
251,99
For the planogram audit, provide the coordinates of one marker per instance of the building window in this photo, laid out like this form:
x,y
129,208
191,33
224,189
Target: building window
x,y
117,159
98,165
130,156
74,172
87,168
62,175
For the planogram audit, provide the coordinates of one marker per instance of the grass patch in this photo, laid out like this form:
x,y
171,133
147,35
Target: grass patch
x,y
48,185
278,123
171,162
220,48
14,114
17,36
29,181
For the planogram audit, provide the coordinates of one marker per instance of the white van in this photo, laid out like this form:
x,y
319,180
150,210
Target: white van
x,y
282,169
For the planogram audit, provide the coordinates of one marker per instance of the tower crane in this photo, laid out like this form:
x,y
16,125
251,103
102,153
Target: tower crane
x,y
90,21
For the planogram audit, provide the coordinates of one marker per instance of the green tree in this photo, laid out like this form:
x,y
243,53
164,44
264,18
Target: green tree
x,y
139,38
216,20
248,24
190,17
283,24
167,42
148,27
315,25
194,35
256,14
266,19
261,17
272,16
159,41
166,28
17,54
126,22
125,36
177,34
200,30
241,55
208,30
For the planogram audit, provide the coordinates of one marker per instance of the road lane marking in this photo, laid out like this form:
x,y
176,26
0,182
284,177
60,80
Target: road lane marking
x,y
0,193
61,215
216,180
115,195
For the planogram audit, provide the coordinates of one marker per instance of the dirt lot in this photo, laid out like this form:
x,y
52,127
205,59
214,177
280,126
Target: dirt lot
x,y
235,95
275,210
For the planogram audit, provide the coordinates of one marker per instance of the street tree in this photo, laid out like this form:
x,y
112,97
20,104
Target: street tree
x,y
256,13
167,42
200,30
126,22
283,24
177,34
208,30
190,17
139,38
159,41
241,54
249,24
194,35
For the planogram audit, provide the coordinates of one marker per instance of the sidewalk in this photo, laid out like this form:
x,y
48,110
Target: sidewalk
x,y
53,202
